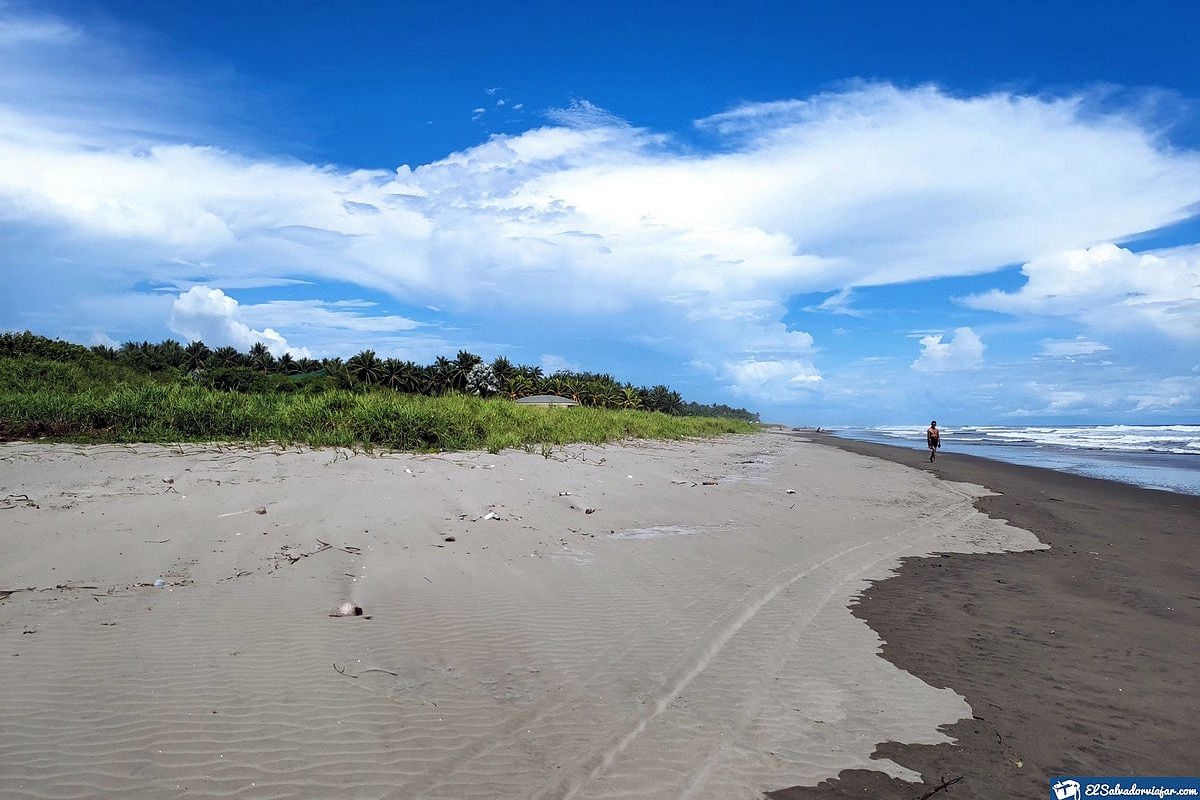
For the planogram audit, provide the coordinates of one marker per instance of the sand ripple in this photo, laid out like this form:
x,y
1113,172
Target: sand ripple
x,y
682,640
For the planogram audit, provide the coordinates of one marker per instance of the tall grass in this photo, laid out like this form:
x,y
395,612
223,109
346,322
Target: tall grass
x,y
61,401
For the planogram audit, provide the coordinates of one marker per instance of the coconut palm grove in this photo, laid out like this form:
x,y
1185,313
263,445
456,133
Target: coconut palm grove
x,y
168,391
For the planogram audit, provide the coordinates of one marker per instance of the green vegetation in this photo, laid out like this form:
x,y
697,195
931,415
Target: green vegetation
x,y
170,393
719,410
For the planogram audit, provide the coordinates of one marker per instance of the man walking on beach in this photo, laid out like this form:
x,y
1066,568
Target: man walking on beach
x,y
934,438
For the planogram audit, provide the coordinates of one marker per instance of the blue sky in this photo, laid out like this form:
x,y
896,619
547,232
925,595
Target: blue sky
x,y
832,213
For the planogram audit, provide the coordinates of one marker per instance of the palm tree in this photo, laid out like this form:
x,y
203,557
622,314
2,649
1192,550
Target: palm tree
x,y
411,377
287,364
226,357
392,374
335,369
656,398
136,355
674,403
504,369
105,352
441,376
260,357
307,365
532,373
425,380
195,355
610,395
365,368
562,386
519,386
168,353
587,394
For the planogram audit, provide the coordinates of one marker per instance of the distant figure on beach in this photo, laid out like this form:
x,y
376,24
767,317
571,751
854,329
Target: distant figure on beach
x,y
934,438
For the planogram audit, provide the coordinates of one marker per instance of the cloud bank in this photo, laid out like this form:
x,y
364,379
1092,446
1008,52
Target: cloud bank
x,y
595,224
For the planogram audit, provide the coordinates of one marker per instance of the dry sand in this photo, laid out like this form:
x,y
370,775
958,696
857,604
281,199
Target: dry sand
x,y
647,635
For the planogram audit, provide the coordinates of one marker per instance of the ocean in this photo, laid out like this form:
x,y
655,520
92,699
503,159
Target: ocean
x,y
1154,456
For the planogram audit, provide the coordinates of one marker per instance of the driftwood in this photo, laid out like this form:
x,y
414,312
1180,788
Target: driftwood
x,y
6,593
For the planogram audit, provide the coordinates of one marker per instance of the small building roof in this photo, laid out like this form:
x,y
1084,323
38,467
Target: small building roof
x,y
546,400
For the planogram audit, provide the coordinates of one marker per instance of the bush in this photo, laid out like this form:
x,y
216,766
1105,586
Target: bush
x,y
236,379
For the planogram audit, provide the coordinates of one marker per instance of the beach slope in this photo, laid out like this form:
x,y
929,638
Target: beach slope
x,y
649,620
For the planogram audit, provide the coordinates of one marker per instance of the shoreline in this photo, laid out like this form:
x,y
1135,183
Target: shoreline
x,y
1170,471
1079,659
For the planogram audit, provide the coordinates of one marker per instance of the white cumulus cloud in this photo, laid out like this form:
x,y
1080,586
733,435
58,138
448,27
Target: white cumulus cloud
x,y
211,316
964,350
771,380
1110,288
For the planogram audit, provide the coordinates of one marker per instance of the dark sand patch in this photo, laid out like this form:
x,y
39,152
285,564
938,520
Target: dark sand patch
x,y
1080,659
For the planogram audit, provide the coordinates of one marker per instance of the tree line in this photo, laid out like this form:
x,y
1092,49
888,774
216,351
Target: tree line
x,y
258,370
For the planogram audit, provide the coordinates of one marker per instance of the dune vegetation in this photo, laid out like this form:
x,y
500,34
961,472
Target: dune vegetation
x,y
62,391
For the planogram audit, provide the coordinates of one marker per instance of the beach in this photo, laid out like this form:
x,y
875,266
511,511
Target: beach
x,y
1078,659
700,619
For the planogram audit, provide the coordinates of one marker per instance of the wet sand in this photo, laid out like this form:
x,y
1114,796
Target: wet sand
x,y
651,621
1079,659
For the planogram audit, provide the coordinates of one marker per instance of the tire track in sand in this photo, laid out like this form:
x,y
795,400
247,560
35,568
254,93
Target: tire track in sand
x,y
456,760
596,763
437,774
786,644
